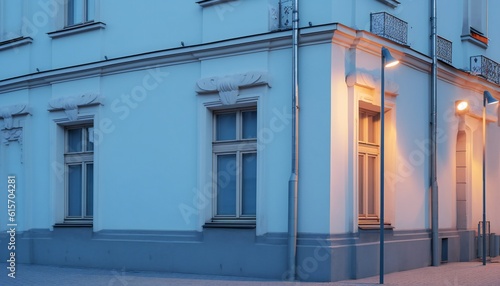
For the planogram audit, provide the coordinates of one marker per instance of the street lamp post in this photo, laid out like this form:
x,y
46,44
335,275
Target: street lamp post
x,y
462,107
487,99
387,61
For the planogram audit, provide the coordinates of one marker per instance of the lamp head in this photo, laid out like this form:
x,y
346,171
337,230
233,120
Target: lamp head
x,y
488,98
461,106
389,60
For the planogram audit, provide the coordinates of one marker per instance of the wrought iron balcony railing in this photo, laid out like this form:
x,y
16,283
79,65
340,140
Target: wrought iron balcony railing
x,y
390,27
485,67
444,50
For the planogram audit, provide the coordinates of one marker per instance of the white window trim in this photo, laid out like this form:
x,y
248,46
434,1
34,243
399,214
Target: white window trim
x,y
207,105
57,166
467,25
85,21
69,159
362,89
62,29
371,149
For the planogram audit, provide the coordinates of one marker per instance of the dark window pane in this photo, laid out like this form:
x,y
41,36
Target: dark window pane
x,y
371,184
226,126
78,11
372,128
249,184
74,140
90,190
226,185
361,187
249,124
90,138
362,118
75,190
90,10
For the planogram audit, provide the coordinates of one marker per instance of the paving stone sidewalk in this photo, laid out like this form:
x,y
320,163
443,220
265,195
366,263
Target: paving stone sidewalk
x,y
451,274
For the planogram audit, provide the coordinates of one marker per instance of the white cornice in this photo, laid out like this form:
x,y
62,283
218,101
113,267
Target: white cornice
x,y
249,44
466,81
335,33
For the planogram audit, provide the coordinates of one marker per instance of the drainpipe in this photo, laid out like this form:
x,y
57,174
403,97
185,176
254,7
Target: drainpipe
x,y
293,183
434,185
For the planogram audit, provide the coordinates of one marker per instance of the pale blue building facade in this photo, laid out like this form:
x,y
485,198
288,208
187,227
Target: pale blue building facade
x,y
156,135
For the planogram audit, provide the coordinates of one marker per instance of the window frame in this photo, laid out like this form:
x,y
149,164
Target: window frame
x,y
368,149
85,12
239,147
82,158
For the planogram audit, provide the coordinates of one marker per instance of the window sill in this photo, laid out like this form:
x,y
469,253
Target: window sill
x,y
75,224
232,224
472,40
373,224
391,3
206,3
374,227
76,29
15,42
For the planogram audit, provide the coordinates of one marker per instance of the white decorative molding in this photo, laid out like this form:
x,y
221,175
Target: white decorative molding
x,y
228,86
391,3
8,112
368,80
20,41
13,134
274,17
71,104
80,28
206,3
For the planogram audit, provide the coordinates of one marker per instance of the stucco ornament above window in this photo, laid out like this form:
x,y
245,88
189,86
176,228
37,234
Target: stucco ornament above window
x,y
229,86
366,79
71,104
8,112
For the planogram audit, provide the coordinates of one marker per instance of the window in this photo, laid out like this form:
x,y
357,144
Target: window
x,y
478,16
368,165
235,165
475,27
79,170
79,11
11,13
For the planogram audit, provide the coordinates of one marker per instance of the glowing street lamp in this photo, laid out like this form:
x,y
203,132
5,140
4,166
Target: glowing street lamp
x,y
387,61
487,99
462,107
